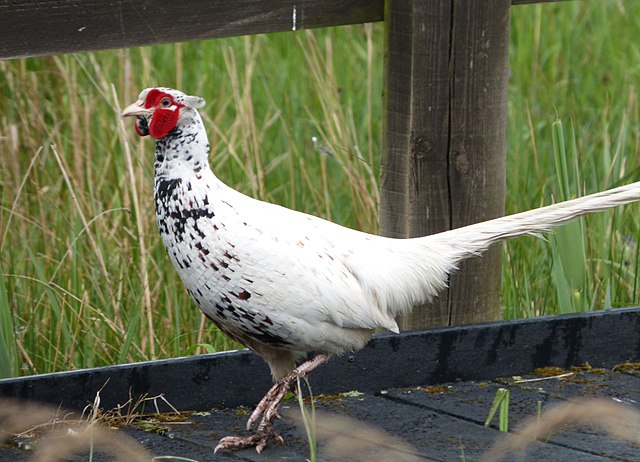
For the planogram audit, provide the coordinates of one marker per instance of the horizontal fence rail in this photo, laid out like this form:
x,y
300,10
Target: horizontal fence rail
x,y
36,27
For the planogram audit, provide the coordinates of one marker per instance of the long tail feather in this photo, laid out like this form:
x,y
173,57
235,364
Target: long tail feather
x,y
474,239
417,269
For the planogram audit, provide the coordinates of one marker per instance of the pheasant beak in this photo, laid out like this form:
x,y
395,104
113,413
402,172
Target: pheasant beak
x,y
136,109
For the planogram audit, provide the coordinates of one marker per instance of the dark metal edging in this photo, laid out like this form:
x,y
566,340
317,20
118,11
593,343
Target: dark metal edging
x,y
474,352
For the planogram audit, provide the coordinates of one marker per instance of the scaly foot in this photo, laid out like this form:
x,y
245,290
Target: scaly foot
x,y
258,439
267,408
270,403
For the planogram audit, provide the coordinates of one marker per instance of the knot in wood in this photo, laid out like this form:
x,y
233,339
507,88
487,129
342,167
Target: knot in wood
x,y
421,146
461,162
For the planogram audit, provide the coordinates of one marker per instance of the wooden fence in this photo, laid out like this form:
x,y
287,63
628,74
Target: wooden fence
x,y
445,99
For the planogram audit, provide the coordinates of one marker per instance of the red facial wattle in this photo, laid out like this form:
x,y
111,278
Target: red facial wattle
x,y
165,114
163,121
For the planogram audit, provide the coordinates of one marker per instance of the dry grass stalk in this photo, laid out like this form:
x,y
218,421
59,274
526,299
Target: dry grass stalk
x,y
348,439
62,435
619,421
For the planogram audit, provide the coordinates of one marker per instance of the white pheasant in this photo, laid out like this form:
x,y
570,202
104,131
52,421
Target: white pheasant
x,y
285,283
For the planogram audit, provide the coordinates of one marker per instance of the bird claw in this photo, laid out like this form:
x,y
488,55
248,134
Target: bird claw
x,y
267,408
258,440
255,415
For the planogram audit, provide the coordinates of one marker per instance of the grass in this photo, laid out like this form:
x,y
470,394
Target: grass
x,y
573,129
501,402
293,118
308,417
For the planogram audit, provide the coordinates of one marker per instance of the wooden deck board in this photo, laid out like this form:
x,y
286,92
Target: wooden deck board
x,y
397,377
440,425
472,400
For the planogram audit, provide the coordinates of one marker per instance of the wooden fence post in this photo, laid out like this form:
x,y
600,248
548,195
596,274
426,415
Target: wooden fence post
x,y
444,138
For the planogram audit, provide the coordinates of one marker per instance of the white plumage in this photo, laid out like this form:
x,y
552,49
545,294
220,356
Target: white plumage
x,y
285,283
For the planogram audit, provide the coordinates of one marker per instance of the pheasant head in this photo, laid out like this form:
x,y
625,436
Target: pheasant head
x,y
159,111
172,118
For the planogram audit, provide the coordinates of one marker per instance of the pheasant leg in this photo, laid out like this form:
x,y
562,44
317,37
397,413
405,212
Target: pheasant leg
x,y
268,407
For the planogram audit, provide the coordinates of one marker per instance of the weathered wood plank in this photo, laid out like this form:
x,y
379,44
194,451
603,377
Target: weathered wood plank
x,y
440,435
415,432
483,351
478,147
34,27
37,27
438,425
528,2
396,122
414,197
444,143
472,401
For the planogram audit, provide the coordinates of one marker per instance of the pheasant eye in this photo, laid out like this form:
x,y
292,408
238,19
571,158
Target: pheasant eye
x,y
165,102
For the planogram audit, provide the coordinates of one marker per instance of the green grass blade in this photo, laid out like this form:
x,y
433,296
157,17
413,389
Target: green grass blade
x,y
130,336
8,351
504,413
568,241
309,421
501,403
